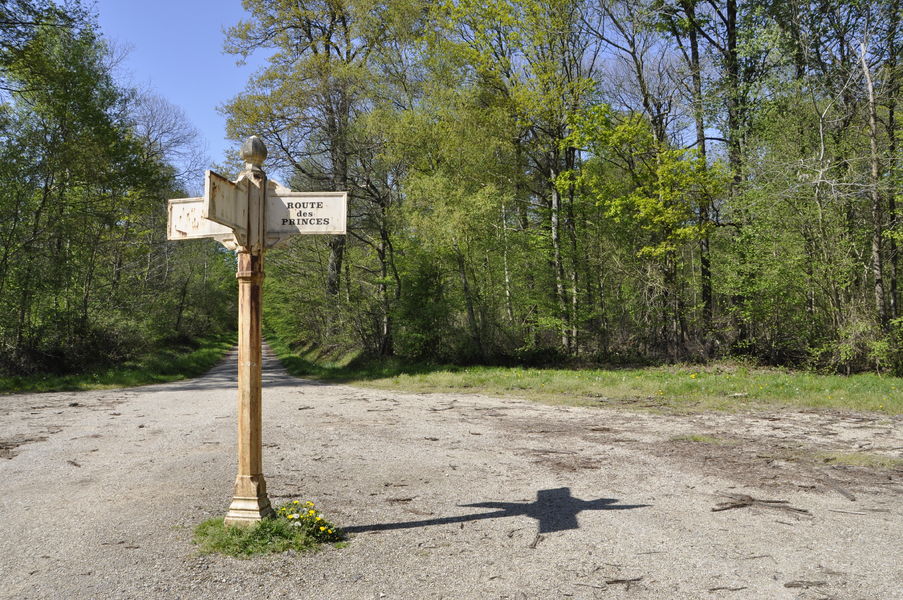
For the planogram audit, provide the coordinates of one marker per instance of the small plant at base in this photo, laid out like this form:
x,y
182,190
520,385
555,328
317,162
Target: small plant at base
x,y
287,530
311,521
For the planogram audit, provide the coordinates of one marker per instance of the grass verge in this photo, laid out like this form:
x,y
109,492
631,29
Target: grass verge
x,y
861,459
159,366
679,388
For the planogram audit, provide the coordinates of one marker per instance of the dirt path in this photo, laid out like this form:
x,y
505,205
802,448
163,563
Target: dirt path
x,y
447,497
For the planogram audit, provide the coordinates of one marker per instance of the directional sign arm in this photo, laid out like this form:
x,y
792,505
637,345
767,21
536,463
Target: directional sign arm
x,y
186,222
226,203
290,213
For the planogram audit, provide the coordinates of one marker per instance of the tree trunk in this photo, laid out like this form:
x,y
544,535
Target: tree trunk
x,y
571,227
509,306
334,267
468,302
180,311
386,265
875,193
894,166
732,65
557,265
705,267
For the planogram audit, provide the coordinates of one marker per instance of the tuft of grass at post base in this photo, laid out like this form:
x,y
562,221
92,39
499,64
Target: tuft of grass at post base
x,y
295,526
677,388
160,366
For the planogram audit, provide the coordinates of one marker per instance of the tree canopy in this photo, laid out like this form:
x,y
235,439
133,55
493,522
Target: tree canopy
x,y
595,180
85,269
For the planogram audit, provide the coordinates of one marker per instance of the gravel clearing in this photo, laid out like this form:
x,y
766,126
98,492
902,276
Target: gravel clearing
x,y
446,496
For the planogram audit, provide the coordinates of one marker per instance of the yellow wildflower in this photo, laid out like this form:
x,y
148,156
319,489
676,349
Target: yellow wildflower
x,y
311,512
319,518
322,529
295,502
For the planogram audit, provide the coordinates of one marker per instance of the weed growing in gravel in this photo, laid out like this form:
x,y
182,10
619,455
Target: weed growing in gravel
x,y
296,526
305,517
700,438
861,459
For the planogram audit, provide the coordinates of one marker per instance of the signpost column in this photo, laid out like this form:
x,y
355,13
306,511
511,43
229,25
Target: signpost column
x,y
249,215
250,502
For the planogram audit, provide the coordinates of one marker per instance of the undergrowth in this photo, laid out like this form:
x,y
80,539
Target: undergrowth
x,y
165,363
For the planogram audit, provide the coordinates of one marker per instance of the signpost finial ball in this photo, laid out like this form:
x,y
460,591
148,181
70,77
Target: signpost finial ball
x,y
253,151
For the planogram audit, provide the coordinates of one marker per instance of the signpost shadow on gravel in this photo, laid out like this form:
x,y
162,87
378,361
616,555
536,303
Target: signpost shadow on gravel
x,y
554,509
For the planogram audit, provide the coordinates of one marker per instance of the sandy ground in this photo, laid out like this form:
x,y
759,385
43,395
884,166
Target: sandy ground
x,y
446,496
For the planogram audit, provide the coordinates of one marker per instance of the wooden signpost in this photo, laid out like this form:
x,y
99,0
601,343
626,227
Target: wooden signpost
x,y
250,215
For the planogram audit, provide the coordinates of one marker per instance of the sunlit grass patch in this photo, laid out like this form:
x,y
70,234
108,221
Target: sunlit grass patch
x,y
861,459
680,388
296,526
266,537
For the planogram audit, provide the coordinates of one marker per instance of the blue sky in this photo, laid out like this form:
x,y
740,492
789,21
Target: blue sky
x,y
176,50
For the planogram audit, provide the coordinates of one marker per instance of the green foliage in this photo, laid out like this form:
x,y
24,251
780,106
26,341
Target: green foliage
x,y
563,182
425,332
863,345
84,263
286,531
667,186
169,360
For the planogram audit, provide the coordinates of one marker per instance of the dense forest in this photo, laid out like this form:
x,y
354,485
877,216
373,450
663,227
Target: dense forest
x,y
86,165
568,180
532,181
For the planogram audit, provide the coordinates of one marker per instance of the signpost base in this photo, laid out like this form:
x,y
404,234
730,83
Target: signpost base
x,y
250,503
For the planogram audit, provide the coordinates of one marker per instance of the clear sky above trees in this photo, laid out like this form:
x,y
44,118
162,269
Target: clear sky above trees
x,y
175,49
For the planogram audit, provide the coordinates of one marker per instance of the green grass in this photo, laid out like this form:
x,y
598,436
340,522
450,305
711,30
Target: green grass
x,y
265,537
294,526
159,366
861,459
812,456
720,386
